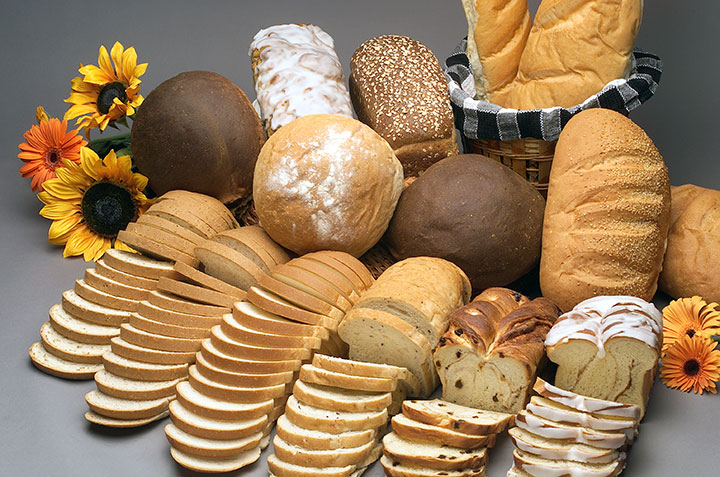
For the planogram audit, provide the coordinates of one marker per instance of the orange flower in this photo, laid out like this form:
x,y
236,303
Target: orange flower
x,y
689,316
692,364
46,146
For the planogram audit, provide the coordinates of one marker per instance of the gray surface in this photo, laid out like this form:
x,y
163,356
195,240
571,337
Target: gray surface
x,y
43,431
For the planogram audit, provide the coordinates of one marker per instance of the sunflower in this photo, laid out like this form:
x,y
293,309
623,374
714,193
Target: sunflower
x,y
90,202
106,94
692,363
46,146
691,317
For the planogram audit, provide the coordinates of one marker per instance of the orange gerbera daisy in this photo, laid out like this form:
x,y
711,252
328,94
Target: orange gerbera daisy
x,y
106,93
691,317
692,364
46,146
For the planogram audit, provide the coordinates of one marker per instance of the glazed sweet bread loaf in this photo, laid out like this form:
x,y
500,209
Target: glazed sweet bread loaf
x,y
608,348
490,354
297,73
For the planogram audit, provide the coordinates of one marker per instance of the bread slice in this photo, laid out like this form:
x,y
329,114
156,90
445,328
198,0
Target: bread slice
x,y
154,249
568,433
298,455
323,377
165,329
311,417
226,264
123,388
233,393
412,430
229,346
341,270
228,362
182,215
163,237
142,338
273,303
215,465
352,263
337,399
51,364
79,330
432,455
545,408
437,412
101,298
599,407
238,240
171,302
257,319
243,334
82,309
329,275
311,284
231,378
257,234
170,227
300,298
279,468
137,370
359,368
196,293
155,313
318,440
138,265
105,421
202,405
125,408
71,350
216,448
218,219
199,426
534,465
146,355
134,281
195,276
396,469
561,450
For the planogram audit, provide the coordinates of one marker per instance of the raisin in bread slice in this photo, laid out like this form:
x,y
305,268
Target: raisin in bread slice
x,y
412,430
437,412
396,469
432,455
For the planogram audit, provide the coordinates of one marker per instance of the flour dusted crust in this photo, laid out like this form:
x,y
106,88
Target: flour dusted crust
x,y
326,182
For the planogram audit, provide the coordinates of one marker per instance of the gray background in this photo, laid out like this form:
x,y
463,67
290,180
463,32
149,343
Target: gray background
x,y
41,43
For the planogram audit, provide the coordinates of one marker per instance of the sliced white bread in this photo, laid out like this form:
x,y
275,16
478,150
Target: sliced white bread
x,y
598,407
196,425
228,265
171,227
138,337
318,440
272,303
300,298
195,276
203,447
228,362
138,264
331,276
105,270
314,375
298,455
99,297
155,249
412,430
109,406
350,262
196,293
247,246
337,399
568,433
169,301
230,378
342,271
165,329
79,330
146,355
432,455
311,284
360,368
181,215
537,466
455,417
71,350
233,393
396,469
215,465
100,420
85,310
211,408
51,364
258,319
243,334
545,408
227,345
279,468
123,388
163,237
155,313
131,369
311,417
561,450
214,217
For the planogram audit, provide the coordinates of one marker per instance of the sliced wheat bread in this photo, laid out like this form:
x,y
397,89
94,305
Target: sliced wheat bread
x,y
232,363
122,388
318,440
341,271
85,310
230,378
155,249
258,234
181,215
228,265
437,412
216,218
111,273
101,298
338,399
258,319
137,370
162,236
132,335
146,355
215,465
196,293
537,466
55,366
216,448
311,284
212,408
169,301
79,330
311,417
101,420
229,346
155,313
298,455
571,434
412,430
71,350
199,426
396,469
138,264
329,275
242,334
171,227
233,393
314,375
561,450
432,455
272,303
195,276
116,408
300,297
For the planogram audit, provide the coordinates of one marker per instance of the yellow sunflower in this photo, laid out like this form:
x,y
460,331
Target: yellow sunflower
x,y
90,202
689,316
105,94
692,364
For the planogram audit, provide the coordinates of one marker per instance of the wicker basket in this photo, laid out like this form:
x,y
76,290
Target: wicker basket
x,y
529,157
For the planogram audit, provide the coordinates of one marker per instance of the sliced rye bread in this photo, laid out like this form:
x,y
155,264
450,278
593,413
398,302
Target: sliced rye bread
x,y
138,337
245,335
146,355
568,433
276,251
432,455
170,227
232,363
234,393
163,237
138,265
228,265
82,309
196,293
380,337
535,465
396,469
199,426
311,284
111,273
228,345
109,406
545,408
314,375
216,448
230,378
560,450
599,407
61,368
412,430
182,216
165,329
337,399
311,417
272,303
350,262
137,370
360,368
99,297
155,249
458,418
318,440
79,330
105,421
71,350
298,455
171,302
329,275
198,403
196,277
258,319
123,388
155,313
216,465
300,298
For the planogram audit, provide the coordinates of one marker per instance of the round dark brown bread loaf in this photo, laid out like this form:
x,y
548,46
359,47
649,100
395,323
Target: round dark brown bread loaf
x,y
474,212
198,132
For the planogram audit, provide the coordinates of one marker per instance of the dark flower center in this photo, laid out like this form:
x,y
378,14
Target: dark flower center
x,y
53,158
690,332
692,367
108,208
108,93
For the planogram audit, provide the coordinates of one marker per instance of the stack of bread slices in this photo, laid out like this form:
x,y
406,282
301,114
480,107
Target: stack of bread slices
x,y
245,370
440,438
560,432
401,318
335,417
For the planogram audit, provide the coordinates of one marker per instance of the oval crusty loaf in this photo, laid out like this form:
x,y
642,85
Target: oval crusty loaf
x,y
211,408
178,304
534,465
59,367
311,417
107,271
71,350
131,369
200,446
273,303
230,378
337,399
298,455
138,264
411,430
257,319
195,276
323,377
560,450
141,353
101,420
607,212
125,408
226,264
123,388
459,418
79,330
93,295
432,455
396,469
232,363
82,309
208,428
318,440
196,293
162,315
215,465
142,338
